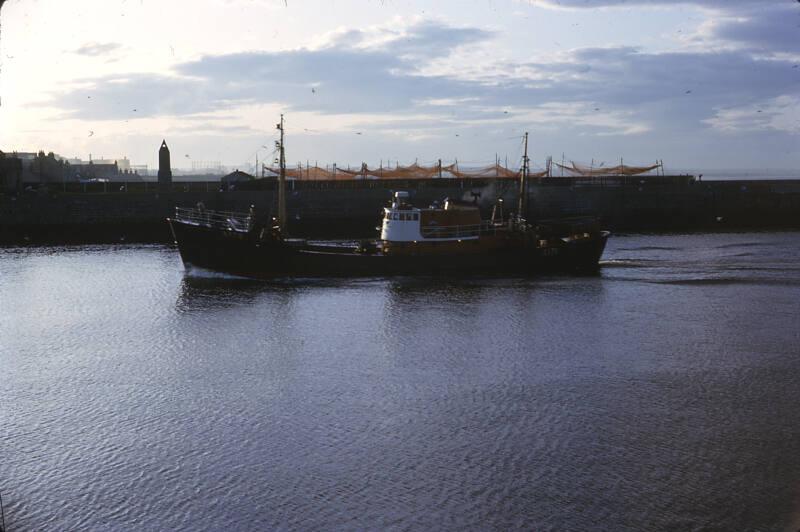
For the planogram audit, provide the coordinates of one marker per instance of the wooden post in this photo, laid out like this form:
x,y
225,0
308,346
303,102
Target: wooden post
x,y
282,184
523,183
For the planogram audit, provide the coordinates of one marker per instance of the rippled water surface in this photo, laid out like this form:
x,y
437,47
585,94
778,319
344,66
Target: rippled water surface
x,y
662,394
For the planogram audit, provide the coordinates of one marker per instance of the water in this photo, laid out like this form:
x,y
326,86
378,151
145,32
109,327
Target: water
x,y
660,395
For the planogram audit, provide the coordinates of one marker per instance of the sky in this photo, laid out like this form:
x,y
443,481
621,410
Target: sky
x,y
699,84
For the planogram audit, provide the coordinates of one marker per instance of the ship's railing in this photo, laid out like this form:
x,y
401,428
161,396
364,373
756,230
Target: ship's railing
x,y
230,221
458,231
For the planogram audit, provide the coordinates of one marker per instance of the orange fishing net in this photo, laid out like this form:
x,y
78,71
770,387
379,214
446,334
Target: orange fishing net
x,y
414,171
583,170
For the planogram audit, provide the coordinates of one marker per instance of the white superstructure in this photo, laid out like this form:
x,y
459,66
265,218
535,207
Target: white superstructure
x,y
401,221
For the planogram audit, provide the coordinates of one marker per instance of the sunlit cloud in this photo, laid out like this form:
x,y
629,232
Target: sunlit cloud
x,y
406,78
95,49
778,114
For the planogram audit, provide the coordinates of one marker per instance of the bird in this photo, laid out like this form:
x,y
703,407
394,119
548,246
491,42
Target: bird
x,y
91,133
187,155
313,90
358,132
596,108
688,92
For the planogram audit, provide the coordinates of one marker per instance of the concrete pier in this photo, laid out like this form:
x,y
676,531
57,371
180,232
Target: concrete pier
x,y
99,212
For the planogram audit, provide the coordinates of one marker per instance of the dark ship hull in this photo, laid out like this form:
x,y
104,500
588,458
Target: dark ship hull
x,y
247,253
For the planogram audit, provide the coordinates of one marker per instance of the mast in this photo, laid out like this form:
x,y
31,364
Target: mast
x,y
282,184
523,183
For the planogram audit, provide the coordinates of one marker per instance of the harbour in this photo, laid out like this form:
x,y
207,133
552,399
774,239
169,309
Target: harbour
x,y
402,266
444,238
658,394
319,202
105,212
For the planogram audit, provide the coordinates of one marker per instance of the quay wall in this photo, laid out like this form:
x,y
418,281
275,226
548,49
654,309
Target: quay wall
x,y
101,212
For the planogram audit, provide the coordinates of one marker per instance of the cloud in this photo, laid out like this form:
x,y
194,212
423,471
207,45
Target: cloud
x,y
774,28
136,96
777,114
97,49
769,25
345,76
606,91
425,38
588,4
624,75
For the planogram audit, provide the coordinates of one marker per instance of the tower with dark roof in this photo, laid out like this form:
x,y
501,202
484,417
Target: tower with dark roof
x,y
164,169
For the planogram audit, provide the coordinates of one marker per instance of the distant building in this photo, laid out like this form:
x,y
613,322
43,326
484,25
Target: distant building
x,y
95,170
53,168
236,177
206,167
111,169
44,168
124,165
164,167
10,173
140,169
25,156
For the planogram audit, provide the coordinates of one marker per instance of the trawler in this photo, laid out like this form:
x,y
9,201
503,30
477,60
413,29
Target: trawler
x,y
440,239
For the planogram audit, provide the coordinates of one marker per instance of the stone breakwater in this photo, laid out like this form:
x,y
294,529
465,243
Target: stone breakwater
x,y
110,212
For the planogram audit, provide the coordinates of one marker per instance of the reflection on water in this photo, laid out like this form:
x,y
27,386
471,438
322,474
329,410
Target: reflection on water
x,y
659,394
198,294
